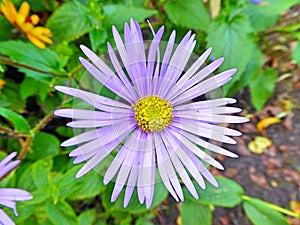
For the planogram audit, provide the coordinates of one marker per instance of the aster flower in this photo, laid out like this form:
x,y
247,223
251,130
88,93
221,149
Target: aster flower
x,y
154,124
9,196
6,166
37,35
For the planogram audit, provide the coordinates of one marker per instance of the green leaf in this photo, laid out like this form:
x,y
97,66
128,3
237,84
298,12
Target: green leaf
x,y
41,173
87,217
188,13
97,37
261,214
19,122
231,40
262,86
61,213
117,15
31,87
6,29
160,194
296,53
30,55
265,15
69,22
254,66
44,145
10,97
87,186
228,194
195,213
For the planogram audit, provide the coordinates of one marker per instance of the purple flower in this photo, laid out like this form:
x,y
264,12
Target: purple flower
x,y
154,124
9,196
256,2
6,166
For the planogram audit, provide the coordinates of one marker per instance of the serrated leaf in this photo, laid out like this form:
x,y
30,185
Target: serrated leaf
x,y
69,22
30,55
188,13
230,39
19,122
44,145
261,214
97,37
265,15
195,213
252,68
228,194
61,213
262,86
117,15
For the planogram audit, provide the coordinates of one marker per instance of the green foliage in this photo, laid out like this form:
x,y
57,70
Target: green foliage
x,y
260,213
262,86
69,22
117,15
265,15
28,98
231,39
19,123
228,194
195,213
188,13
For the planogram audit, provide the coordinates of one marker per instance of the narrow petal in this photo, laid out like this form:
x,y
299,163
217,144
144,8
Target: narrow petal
x,y
97,101
202,129
4,219
111,82
204,87
197,151
179,167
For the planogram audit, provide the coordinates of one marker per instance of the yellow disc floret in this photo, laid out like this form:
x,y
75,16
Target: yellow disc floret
x,y
153,113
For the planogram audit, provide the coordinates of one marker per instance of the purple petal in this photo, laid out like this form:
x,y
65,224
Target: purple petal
x,y
179,167
95,100
4,219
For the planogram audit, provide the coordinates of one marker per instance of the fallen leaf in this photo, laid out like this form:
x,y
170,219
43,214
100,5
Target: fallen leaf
x,y
287,122
258,178
295,206
264,123
259,145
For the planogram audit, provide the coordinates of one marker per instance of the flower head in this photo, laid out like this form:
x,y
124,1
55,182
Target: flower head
x,y
154,124
9,196
6,166
25,23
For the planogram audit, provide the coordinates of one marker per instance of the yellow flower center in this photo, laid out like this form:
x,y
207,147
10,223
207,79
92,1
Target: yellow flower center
x,y
153,113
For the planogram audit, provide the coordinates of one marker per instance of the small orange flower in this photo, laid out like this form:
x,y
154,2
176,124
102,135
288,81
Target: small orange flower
x,y
25,23
2,83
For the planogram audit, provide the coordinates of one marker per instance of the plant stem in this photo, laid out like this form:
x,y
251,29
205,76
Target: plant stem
x,y
8,61
12,132
277,208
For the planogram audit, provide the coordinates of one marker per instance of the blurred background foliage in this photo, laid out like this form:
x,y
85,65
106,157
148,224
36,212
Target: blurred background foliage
x,y
234,28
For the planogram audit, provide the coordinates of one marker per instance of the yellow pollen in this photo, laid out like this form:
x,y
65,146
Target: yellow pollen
x,y
153,113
